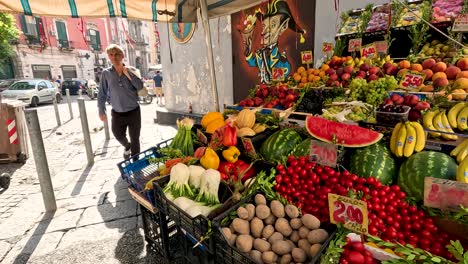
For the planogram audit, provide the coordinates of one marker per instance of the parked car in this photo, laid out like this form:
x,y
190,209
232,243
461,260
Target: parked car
x,y
74,86
4,84
33,92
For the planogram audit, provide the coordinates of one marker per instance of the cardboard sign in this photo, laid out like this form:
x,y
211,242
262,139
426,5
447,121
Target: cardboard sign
x,y
202,137
354,44
381,46
327,47
249,147
412,79
307,57
445,194
350,212
278,74
323,153
461,23
369,51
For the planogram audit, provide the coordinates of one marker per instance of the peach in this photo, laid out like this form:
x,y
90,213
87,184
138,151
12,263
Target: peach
x,y
404,64
402,72
428,73
440,82
463,64
427,88
462,74
438,75
416,67
452,72
429,63
458,94
439,67
461,83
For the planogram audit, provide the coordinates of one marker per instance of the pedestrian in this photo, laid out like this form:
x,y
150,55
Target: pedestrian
x,y
158,85
58,80
120,86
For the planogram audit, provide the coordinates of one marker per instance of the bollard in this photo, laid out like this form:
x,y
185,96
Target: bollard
x,y
86,135
40,158
57,114
69,103
80,93
106,128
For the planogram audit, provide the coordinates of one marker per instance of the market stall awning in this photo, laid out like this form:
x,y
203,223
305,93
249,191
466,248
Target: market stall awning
x,y
155,10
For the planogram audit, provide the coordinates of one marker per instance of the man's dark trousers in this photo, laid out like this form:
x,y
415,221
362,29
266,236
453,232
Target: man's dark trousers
x,y
132,120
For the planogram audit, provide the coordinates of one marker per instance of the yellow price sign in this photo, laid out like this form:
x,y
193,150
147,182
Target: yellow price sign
x,y
352,213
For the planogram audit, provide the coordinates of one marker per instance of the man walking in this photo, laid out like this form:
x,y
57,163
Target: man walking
x,y
158,84
120,86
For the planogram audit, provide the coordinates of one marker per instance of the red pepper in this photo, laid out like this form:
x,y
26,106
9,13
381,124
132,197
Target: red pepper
x,y
226,168
240,167
224,177
229,136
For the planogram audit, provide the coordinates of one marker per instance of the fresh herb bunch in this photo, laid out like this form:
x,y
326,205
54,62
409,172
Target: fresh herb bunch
x,y
166,154
335,248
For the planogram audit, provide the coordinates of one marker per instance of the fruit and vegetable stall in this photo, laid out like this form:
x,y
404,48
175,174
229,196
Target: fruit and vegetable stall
x,y
361,160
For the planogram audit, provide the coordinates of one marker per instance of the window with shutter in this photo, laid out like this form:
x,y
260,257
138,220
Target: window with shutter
x,y
62,34
95,39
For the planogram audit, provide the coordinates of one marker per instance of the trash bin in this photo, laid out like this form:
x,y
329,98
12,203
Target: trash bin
x,y
13,131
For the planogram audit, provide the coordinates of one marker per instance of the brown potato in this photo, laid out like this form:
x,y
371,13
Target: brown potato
x,y
291,244
261,245
241,226
269,257
244,243
317,236
262,211
304,244
281,247
274,237
251,210
260,199
277,209
299,255
231,226
233,240
291,211
256,227
227,233
303,231
294,236
310,221
286,259
268,231
295,223
270,220
314,250
256,256
282,226
242,213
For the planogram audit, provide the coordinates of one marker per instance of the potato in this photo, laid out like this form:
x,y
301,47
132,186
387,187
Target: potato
x,y
256,256
233,240
299,255
261,245
244,243
310,221
268,231
274,237
262,211
231,226
304,244
251,210
294,236
269,257
256,227
291,211
291,244
270,220
281,247
317,236
314,250
260,199
286,259
242,213
227,233
282,226
295,223
277,208
241,226
303,231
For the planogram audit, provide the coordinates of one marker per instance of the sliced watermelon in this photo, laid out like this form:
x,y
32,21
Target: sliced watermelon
x,y
351,136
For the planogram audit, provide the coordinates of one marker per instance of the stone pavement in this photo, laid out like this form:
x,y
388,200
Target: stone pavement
x,y
96,220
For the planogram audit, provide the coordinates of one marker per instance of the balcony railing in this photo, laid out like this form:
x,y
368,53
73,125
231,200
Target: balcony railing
x,y
96,47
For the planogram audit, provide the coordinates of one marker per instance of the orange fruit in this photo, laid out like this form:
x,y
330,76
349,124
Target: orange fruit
x,y
310,71
301,70
304,74
322,73
300,85
325,67
316,78
297,77
416,67
404,64
316,72
304,80
310,77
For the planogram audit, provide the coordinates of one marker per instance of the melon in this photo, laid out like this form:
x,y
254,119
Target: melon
x,y
341,134
421,165
374,161
280,145
303,149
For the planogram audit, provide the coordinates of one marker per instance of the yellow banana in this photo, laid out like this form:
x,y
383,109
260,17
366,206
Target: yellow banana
x,y
453,113
428,122
437,121
447,126
462,171
462,119
462,155
420,137
459,148
393,138
401,139
410,142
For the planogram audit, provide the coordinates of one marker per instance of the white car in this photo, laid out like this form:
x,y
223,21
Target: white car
x,y
33,92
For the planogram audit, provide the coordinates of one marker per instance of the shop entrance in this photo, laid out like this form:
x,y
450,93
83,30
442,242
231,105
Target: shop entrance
x,y
41,72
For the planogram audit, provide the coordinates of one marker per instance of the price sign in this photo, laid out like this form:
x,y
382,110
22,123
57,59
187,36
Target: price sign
x,y
327,47
354,44
350,212
278,74
412,79
381,47
445,194
323,153
369,51
461,23
307,57
202,137
249,147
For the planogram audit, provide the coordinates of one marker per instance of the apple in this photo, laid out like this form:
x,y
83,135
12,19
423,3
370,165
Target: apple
x,y
250,103
395,97
362,74
388,101
388,65
372,77
421,106
346,76
364,67
258,101
348,69
330,71
414,100
334,77
374,70
340,71
290,98
414,115
281,95
400,101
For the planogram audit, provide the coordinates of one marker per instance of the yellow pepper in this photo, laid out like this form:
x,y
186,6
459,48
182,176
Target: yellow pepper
x,y
231,154
210,160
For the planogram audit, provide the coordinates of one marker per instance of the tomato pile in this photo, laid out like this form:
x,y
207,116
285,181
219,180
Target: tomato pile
x,y
272,97
391,218
356,253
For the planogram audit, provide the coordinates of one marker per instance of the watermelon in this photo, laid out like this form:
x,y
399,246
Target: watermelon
x,y
374,161
280,145
303,149
421,165
341,134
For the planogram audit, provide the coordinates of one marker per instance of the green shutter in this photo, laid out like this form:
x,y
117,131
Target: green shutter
x,y
98,39
38,19
61,30
23,24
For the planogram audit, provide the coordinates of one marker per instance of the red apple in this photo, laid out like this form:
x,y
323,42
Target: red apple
x,y
372,77
348,69
345,76
414,100
340,71
388,101
388,65
374,70
364,67
421,106
362,74
395,97
414,115
400,101
334,77
330,71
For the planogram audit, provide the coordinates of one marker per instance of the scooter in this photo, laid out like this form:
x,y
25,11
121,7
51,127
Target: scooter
x,y
92,92
145,95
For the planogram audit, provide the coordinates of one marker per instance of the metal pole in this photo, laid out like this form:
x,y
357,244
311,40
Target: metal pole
x,y
106,129
86,135
40,158
57,114
69,103
209,46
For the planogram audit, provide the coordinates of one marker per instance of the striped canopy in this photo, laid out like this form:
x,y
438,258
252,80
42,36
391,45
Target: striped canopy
x,y
155,10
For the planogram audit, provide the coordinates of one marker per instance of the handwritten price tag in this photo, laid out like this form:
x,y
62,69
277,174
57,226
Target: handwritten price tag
x,y
445,194
249,147
278,74
461,23
412,79
323,153
381,47
327,47
307,57
369,51
350,212
202,137
354,44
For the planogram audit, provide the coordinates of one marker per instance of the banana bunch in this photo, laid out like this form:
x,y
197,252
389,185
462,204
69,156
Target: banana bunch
x,y
461,151
458,115
407,138
462,171
438,121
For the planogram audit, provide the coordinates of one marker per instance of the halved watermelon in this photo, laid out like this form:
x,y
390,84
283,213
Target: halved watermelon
x,y
351,136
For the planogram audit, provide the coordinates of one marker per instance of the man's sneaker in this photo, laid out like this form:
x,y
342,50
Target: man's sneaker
x,y
127,154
